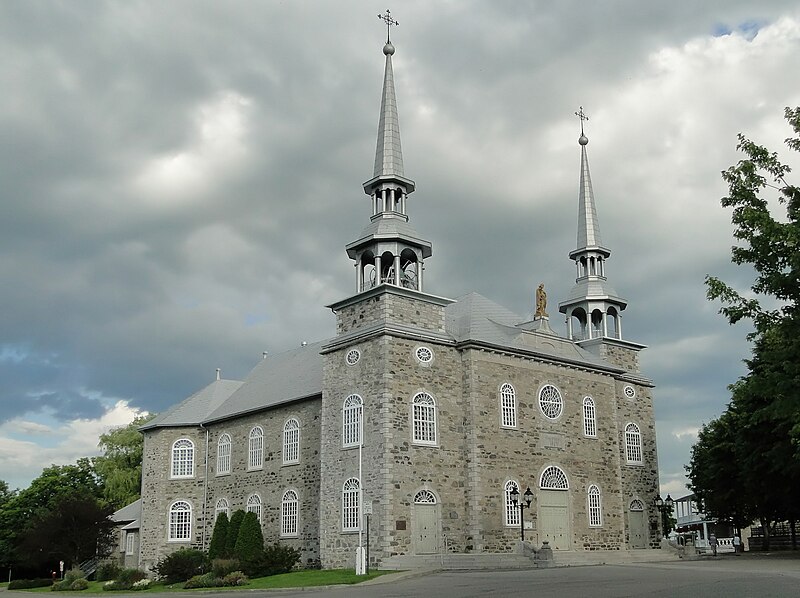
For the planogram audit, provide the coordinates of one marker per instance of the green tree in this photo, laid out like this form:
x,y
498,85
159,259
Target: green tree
x,y
233,532
217,548
7,524
119,468
250,540
764,412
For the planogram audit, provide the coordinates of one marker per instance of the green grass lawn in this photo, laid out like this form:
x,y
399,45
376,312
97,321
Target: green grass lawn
x,y
296,579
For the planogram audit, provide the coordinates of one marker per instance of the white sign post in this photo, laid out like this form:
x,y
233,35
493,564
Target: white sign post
x,y
61,568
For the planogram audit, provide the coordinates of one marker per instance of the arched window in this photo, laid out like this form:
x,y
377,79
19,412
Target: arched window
x,y
291,441
589,420
633,444
595,510
180,521
254,505
255,448
424,497
424,419
224,454
512,510
289,513
352,412
550,401
553,478
508,406
183,458
222,506
350,496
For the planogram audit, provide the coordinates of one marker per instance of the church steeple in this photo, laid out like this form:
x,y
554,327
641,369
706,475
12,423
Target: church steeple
x,y
389,251
593,308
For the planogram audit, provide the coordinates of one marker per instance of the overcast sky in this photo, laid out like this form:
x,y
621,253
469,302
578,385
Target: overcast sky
x,y
178,181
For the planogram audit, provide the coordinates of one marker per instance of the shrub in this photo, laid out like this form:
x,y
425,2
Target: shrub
x,y
221,567
217,549
74,579
130,576
181,565
235,578
250,543
26,584
79,584
206,580
233,532
275,559
107,571
142,584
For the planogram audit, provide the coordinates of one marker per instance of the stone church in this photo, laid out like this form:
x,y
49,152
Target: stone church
x,y
429,415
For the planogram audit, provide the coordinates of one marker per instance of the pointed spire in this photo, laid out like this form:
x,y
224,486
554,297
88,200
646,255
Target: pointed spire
x,y
588,225
388,153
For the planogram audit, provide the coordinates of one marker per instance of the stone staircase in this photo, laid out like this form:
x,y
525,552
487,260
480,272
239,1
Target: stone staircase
x,y
498,561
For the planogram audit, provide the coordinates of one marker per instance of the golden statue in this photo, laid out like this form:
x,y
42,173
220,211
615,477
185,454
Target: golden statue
x,y
541,302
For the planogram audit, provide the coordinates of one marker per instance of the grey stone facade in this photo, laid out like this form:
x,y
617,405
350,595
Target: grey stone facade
x,y
430,488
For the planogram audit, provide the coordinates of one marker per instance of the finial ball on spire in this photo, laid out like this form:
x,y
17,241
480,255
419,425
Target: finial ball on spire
x,y
583,140
388,49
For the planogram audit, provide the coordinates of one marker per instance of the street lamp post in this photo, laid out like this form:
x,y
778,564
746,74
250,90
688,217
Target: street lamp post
x,y
526,505
665,508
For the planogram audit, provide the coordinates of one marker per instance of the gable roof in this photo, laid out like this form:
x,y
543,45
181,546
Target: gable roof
x,y
196,408
128,513
277,379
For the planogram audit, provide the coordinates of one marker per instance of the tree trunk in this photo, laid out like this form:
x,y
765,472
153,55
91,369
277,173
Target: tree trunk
x,y
765,528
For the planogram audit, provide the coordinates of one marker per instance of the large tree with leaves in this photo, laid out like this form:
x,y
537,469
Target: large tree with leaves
x,y
763,418
119,468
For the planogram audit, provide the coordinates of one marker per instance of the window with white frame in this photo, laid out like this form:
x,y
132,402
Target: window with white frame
x,y
512,510
595,509
636,505
222,506
589,418
633,444
130,542
289,513
424,419
553,478
424,497
182,458
352,413
350,496
550,402
254,505
255,448
180,521
224,454
291,441
508,406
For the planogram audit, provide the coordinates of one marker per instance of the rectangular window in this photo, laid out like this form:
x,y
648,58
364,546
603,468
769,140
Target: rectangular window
x,y
130,542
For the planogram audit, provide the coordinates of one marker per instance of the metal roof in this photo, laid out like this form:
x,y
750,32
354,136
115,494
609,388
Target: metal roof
x,y
131,512
193,410
588,225
388,153
277,379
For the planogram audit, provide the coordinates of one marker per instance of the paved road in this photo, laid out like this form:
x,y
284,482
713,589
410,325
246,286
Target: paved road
x,y
726,578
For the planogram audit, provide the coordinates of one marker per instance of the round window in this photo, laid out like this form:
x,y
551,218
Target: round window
x,y
424,354
550,402
353,355
629,391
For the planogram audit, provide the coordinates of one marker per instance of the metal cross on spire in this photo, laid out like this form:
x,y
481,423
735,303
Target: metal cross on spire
x,y
387,18
582,115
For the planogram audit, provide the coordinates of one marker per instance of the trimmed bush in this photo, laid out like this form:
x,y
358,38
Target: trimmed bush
x,y
79,584
233,532
74,579
127,580
250,543
235,578
107,571
221,567
26,584
142,584
217,549
181,565
274,559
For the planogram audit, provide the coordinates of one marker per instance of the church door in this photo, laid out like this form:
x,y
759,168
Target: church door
x,y
554,518
426,523
637,525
